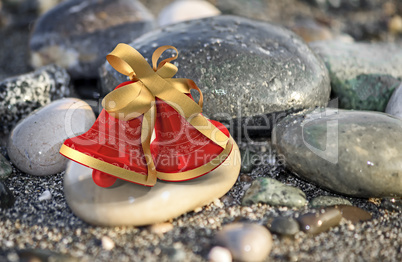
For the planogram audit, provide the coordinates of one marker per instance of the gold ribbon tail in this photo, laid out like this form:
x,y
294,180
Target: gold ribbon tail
x,y
147,127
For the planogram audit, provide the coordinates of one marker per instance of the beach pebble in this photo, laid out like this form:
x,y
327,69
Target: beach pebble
x,y
246,242
174,253
107,243
183,10
392,203
394,106
137,205
44,255
219,254
354,214
246,69
5,168
345,5
348,152
363,75
321,221
6,197
324,201
77,35
273,192
22,94
34,144
311,31
161,228
46,195
284,226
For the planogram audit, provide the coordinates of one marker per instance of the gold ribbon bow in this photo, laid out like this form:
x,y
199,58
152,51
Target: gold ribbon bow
x,y
138,98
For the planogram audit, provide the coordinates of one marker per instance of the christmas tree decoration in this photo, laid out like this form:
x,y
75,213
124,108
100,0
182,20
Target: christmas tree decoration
x,y
120,145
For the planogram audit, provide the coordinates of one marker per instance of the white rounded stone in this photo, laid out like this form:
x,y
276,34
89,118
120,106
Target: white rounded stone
x,y
183,10
136,205
246,242
34,143
219,254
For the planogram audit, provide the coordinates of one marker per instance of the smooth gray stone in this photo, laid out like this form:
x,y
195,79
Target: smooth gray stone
x,y
34,144
246,242
394,106
5,168
363,75
245,68
22,94
273,192
284,226
356,153
324,201
78,35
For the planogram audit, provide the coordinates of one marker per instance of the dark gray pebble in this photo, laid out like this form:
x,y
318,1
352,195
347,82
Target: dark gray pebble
x,y
284,226
5,168
6,197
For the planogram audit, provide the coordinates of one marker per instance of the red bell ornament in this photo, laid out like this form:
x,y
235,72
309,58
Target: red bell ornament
x,y
186,144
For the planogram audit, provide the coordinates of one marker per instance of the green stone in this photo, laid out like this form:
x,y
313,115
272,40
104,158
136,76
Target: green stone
x,y
5,168
274,193
324,201
365,92
363,75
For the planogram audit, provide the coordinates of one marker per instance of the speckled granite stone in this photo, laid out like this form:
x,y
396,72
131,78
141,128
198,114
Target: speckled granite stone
x,y
20,95
245,68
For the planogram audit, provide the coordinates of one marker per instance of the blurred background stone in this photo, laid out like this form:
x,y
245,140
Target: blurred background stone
x,y
78,35
183,10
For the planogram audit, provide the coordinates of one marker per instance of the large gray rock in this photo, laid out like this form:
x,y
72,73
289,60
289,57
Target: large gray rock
x,y
244,68
363,76
356,153
79,34
22,94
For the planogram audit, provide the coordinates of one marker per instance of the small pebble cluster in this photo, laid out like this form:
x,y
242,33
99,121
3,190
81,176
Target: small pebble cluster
x,y
311,96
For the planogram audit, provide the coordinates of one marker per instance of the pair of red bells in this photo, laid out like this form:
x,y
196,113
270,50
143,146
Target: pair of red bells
x,y
150,127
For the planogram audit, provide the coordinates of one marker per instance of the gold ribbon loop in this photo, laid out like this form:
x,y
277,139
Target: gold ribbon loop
x,y
157,54
130,102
